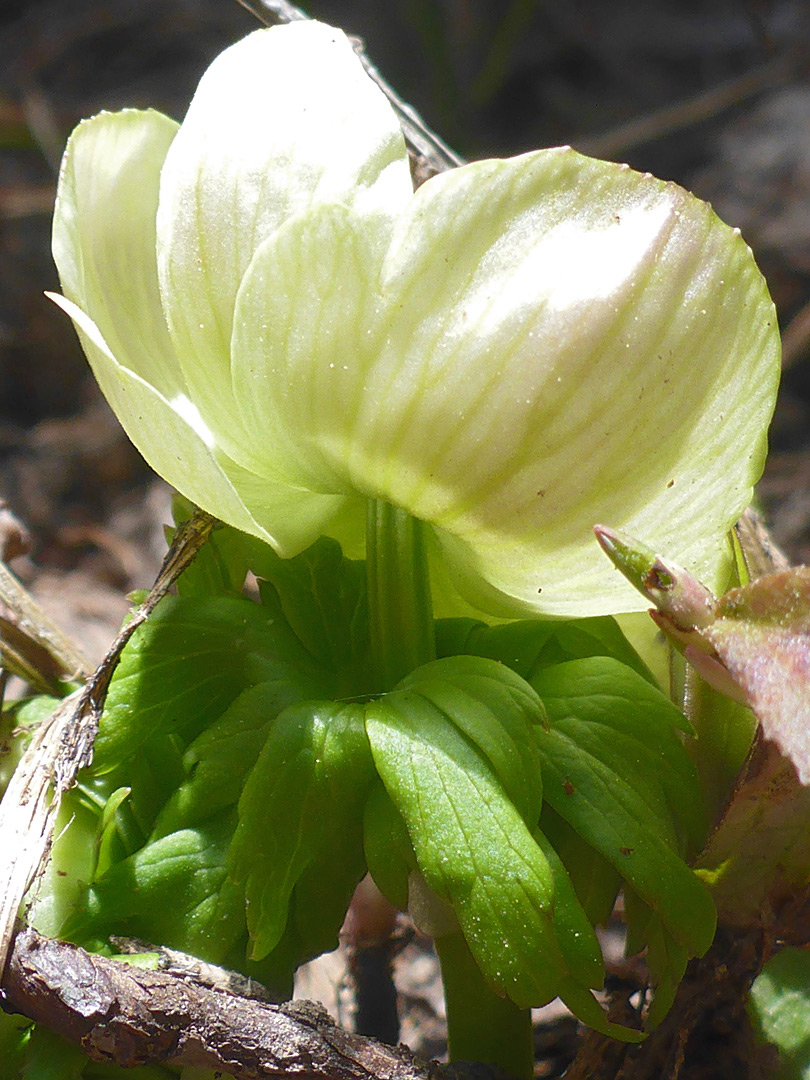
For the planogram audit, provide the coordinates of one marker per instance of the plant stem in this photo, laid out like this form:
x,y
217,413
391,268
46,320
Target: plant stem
x,y
399,601
481,1026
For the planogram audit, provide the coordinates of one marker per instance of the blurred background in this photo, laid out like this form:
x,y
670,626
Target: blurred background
x,y
711,93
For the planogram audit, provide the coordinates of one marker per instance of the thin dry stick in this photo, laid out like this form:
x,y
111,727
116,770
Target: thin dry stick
x,y
688,112
63,744
796,338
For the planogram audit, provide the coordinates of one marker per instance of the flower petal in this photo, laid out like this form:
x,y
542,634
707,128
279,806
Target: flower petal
x,y
568,340
178,445
282,120
104,237
549,341
299,370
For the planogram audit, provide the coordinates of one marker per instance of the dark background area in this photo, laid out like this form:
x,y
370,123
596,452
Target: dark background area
x,y
711,93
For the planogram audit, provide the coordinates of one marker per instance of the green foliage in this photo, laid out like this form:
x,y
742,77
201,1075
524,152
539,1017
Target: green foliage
x,y
173,891
531,645
302,808
246,781
200,654
613,769
472,846
779,1007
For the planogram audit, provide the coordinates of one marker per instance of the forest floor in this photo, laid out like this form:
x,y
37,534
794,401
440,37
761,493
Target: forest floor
x,y
714,95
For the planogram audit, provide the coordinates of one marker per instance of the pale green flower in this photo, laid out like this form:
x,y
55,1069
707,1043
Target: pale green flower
x,y
519,350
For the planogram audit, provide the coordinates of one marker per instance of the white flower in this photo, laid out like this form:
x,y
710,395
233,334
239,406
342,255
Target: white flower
x,y
520,349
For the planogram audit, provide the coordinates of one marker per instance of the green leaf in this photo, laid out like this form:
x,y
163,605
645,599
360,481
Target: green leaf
x,y
611,812
779,1007
69,869
187,664
153,774
322,596
472,846
174,891
529,645
220,566
220,759
572,928
595,880
601,691
389,854
666,958
497,711
14,1036
50,1057
301,814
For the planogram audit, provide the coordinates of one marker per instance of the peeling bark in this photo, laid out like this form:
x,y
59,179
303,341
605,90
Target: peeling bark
x,y
124,1014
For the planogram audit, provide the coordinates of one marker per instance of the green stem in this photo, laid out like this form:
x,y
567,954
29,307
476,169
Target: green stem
x,y
481,1026
399,601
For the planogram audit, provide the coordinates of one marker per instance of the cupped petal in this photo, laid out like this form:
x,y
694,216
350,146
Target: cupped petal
x,y
564,339
177,444
284,119
547,341
298,360
104,237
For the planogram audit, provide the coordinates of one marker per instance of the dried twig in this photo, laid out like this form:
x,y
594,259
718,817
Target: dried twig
x,y
131,1016
31,644
691,111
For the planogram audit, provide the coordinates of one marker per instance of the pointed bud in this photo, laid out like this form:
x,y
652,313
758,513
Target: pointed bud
x,y
686,602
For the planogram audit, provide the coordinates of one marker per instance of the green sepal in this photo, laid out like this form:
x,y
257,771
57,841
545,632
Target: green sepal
x,y
498,712
185,666
302,804
472,846
530,645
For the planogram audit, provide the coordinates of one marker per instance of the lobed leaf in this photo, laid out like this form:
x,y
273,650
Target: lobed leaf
x,y
301,812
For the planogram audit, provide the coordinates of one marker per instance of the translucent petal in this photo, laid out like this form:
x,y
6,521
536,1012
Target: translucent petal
x,y
284,119
299,366
178,445
104,237
567,338
548,342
